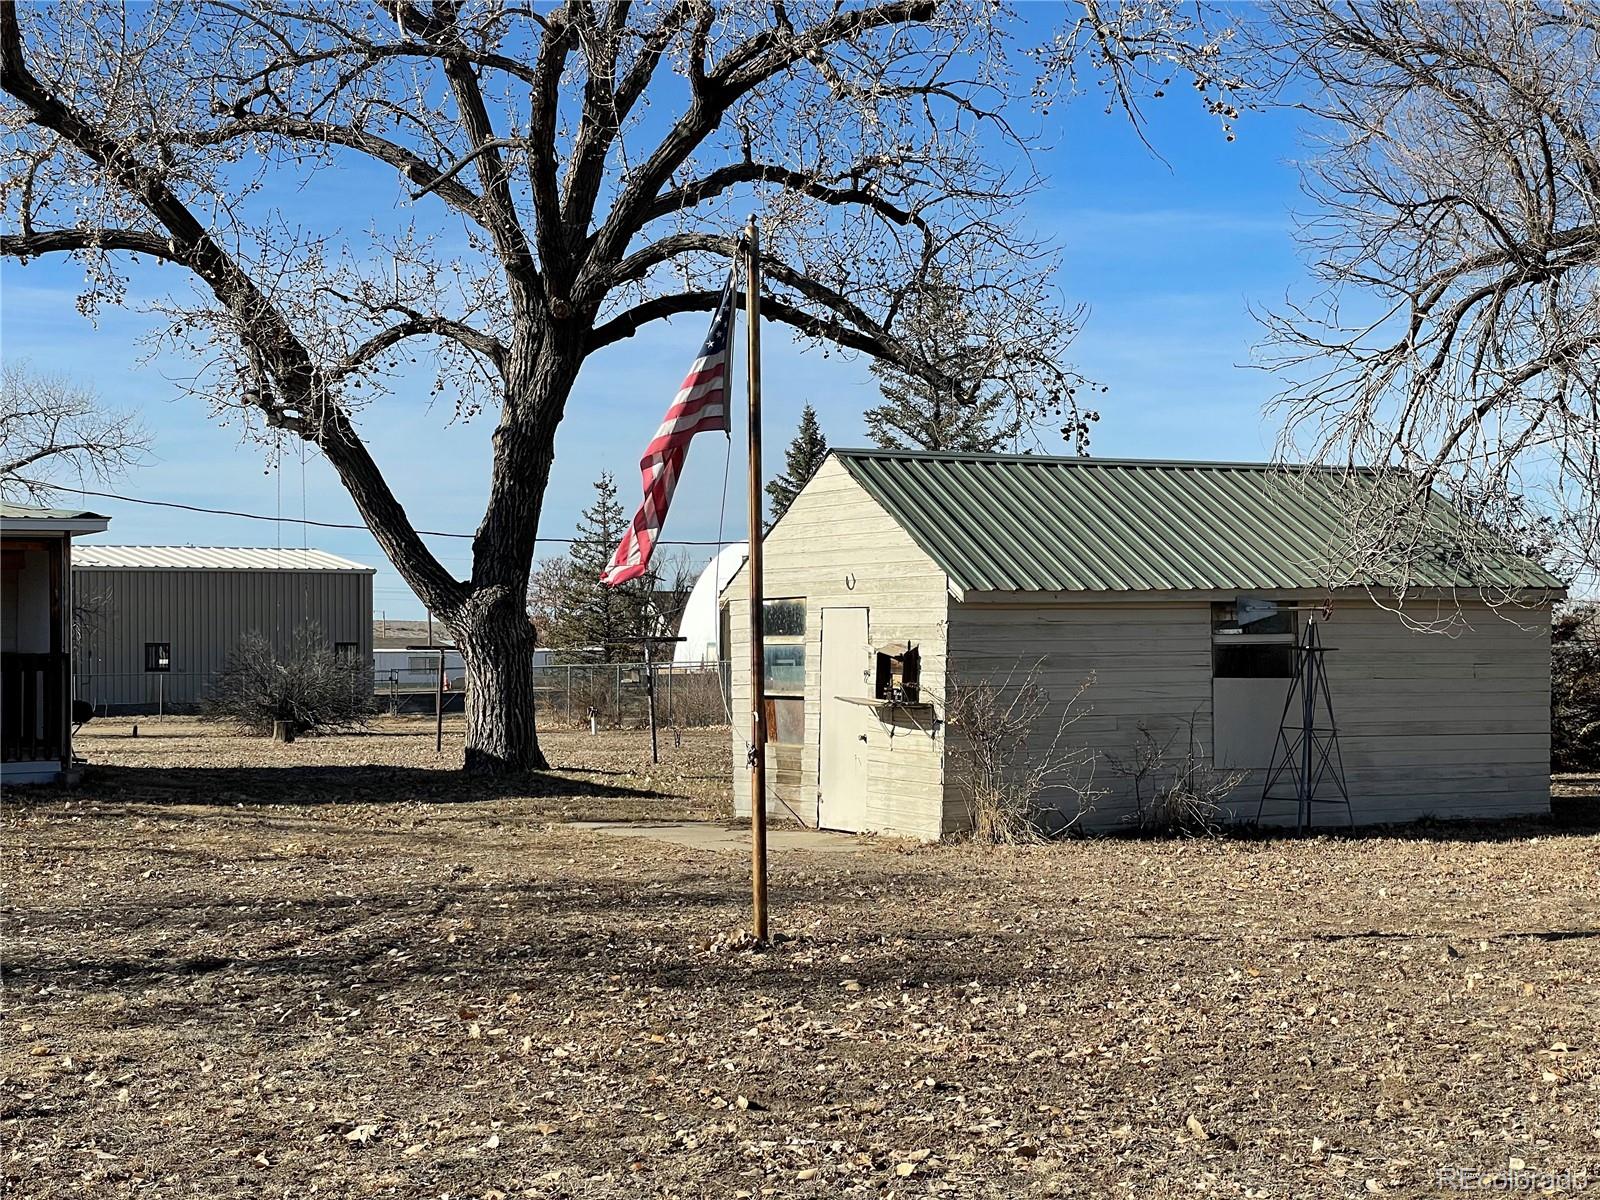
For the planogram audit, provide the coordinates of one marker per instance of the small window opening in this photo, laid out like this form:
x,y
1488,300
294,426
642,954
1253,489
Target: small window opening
x,y
158,656
346,651
1263,648
899,674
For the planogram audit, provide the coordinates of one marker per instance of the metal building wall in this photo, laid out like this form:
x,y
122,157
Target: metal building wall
x,y
202,614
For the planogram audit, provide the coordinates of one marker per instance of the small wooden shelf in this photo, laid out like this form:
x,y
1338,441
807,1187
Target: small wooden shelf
x,y
910,706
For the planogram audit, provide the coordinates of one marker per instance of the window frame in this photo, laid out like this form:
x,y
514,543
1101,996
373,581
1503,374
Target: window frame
x,y
161,658
1223,637
769,641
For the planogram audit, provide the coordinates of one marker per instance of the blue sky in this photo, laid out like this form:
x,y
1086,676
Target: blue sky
x,y
1169,256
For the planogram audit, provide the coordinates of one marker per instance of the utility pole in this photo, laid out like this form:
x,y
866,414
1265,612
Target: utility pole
x,y
758,719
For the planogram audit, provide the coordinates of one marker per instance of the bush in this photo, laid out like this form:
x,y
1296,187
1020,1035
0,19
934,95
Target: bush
x,y
1575,689
1175,791
1013,756
314,689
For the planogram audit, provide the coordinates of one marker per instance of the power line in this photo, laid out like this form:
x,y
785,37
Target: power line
x,y
228,512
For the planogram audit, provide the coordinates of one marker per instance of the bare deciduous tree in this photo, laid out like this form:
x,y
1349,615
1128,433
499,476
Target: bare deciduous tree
x,y
50,427
1457,231
1455,227
563,176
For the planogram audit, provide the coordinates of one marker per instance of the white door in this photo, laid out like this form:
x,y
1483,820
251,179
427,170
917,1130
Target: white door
x,y
842,771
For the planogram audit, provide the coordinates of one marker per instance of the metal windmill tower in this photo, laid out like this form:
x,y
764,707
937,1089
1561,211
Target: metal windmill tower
x,y
1305,758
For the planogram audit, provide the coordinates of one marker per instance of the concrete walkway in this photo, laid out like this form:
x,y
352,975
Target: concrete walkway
x,y
707,835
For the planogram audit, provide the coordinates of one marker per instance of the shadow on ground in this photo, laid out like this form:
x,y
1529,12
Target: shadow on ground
x,y
323,785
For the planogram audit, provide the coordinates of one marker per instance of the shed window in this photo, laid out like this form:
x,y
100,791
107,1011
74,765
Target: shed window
x,y
784,633
346,651
1260,650
158,656
786,720
1251,666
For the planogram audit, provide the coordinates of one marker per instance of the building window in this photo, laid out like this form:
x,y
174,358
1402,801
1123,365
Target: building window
x,y
158,656
784,634
1261,649
346,651
1251,668
783,625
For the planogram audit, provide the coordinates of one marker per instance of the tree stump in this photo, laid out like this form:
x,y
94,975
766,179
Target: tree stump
x,y
283,731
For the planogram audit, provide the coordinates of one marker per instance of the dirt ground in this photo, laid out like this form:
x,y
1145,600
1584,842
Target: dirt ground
x,y
231,971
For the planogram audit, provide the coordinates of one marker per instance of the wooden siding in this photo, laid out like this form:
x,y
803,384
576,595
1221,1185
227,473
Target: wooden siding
x,y
1150,664
834,530
202,614
1432,724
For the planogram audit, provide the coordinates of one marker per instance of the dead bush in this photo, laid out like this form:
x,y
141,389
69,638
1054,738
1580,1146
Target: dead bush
x,y
1175,790
1021,787
693,698
312,688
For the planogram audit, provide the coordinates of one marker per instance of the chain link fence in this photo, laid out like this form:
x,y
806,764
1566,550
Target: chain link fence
x,y
617,695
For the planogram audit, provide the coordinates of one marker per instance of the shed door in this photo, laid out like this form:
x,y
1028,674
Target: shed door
x,y
842,771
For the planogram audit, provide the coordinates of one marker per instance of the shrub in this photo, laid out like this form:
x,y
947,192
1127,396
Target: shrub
x,y
1575,689
1175,791
313,688
1021,787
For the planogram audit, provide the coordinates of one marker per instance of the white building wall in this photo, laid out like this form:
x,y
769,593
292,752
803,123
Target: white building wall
x,y
836,547
1448,725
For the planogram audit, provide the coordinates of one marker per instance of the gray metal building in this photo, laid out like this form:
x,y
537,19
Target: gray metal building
x,y
155,623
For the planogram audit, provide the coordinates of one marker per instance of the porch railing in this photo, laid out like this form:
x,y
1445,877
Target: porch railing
x,y
33,707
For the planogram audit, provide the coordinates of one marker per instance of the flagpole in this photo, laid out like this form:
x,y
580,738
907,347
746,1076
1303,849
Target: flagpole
x,y
758,720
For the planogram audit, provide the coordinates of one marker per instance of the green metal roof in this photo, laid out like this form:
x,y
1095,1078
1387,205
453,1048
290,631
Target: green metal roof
x,y
25,512
1027,523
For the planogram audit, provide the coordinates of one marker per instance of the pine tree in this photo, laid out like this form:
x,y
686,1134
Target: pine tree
x,y
969,414
801,460
579,616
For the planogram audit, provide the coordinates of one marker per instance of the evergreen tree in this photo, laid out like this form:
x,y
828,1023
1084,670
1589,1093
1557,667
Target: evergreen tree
x,y
964,413
579,616
801,460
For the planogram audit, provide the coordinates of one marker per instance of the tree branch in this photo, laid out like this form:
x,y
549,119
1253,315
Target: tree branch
x,y
56,241
748,65
260,322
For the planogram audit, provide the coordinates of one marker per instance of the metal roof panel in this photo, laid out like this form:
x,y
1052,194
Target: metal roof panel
x,y
1029,523
210,558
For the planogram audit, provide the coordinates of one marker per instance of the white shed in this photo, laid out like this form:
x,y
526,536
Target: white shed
x,y
1125,572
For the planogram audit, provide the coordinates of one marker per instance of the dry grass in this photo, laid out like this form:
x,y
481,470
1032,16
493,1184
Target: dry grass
x,y
223,984
604,777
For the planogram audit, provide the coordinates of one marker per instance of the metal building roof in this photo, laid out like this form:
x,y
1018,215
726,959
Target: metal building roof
x,y
23,517
1026,523
210,558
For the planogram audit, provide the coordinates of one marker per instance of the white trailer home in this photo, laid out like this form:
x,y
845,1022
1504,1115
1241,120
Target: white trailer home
x,y
894,573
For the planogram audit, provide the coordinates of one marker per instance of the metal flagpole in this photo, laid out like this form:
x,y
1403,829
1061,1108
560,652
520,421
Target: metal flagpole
x,y
758,719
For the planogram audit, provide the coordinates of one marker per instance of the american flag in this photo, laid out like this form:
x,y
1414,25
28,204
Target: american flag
x,y
700,405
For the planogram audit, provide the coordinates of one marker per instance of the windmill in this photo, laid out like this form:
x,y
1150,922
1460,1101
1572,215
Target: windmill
x,y
1307,768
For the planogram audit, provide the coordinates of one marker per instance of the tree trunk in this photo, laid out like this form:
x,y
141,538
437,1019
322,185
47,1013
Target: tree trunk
x,y
496,641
